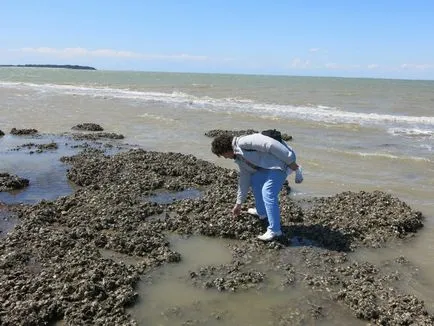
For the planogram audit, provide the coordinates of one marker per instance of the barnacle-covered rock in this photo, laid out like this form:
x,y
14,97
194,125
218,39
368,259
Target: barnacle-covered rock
x,y
97,135
20,132
10,182
229,277
52,267
88,126
217,132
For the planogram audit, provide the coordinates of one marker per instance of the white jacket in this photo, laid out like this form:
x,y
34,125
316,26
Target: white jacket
x,y
256,151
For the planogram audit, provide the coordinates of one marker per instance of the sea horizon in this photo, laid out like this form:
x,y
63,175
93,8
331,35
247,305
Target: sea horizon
x,y
269,74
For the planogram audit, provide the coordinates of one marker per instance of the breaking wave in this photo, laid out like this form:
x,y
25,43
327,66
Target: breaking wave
x,y
319,113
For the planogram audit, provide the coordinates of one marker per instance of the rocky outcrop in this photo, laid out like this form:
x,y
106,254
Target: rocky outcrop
x,y
216,132
88,127
21,132
97,135
10,182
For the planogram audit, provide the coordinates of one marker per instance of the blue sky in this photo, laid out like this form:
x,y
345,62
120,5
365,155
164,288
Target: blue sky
x,y
386,39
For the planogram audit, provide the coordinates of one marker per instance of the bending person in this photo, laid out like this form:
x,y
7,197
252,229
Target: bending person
x,y
264,164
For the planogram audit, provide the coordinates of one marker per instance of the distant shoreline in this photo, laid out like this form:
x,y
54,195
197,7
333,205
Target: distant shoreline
x,y
49,66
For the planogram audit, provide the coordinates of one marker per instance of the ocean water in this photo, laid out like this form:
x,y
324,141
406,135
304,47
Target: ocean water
x,y
349,134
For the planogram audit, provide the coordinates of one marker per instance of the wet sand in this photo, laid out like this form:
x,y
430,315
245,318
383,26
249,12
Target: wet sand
x,y
96,254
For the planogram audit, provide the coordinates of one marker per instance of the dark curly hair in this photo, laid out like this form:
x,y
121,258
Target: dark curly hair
x,y
222,144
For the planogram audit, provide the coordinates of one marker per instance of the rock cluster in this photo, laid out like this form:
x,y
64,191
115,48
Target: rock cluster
x,y
356,215
51,266
39,148
227,277
88,127
21,132
10,182
216,132
96,132
97,135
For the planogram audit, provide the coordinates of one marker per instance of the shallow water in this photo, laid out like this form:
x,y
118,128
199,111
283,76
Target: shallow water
x,y
167,296
47,175
167,288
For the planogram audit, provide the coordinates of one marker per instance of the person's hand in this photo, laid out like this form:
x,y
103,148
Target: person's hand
x,y
299,175
236,210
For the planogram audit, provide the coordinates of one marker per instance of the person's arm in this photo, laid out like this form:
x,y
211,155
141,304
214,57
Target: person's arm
x,y
293,166
243,188
236,210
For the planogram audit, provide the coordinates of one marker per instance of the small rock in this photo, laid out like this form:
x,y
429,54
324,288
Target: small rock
x,y
88,127
21,132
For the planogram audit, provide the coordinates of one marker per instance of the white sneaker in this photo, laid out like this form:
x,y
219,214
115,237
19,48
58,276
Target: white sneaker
x,y
269,235
253,211
299,175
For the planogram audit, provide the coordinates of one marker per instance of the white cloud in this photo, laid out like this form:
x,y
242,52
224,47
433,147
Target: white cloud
x,y
299,63
373,66
336,66
417,66
183,56
332,65
107,53
314,50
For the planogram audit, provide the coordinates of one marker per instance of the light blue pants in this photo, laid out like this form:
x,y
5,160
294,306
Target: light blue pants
x,y
266,185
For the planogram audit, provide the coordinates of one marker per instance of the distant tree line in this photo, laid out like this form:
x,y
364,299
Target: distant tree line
x,y
52,66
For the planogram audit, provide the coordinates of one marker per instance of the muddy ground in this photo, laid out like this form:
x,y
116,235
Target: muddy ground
x,y
51,267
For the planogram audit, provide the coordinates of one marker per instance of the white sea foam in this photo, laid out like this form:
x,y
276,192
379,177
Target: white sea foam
x,y
380,155
413,132
319,113
393,157
427,147
330,108
149,116
202,85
